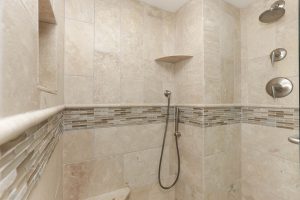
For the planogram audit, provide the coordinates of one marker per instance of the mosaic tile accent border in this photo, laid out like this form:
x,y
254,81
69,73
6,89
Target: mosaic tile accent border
x,y
287,118
210,116
23,160
82,118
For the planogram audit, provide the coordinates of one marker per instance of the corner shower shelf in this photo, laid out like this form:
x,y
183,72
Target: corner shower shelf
x,y
174,59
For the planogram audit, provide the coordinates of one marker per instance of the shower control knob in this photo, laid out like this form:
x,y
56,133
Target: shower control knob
x,y
177,134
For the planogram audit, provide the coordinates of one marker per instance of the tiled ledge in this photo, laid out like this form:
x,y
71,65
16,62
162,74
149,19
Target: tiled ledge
x,y
12,127
181,105
111,115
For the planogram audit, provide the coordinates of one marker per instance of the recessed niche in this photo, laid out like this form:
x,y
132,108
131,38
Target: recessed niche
x,y
46,13
48,64
174,59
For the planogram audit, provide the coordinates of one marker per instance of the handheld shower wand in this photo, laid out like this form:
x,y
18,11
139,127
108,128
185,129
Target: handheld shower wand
x,y
177,135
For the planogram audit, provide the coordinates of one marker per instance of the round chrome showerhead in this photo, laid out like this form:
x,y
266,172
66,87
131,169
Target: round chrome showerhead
x,y
274,13
167,93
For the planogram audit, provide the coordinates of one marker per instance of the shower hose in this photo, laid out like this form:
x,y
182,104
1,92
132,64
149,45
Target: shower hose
x,y
162,153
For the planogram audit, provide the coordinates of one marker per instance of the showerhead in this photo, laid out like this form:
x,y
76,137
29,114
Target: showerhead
x,y
167,93
274,13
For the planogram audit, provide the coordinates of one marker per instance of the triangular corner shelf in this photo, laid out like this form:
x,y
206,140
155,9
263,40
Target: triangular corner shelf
x,y
173,59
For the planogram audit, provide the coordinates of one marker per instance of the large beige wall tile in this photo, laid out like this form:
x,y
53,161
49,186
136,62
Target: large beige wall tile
x,y
191,153
153,21
107,25
141,168
221,139
51,181
19,60
222,162
189,40
107,77
80,10
221,52
258,138
92,178
132,90
222,176
78,146
78,90
131,49
79,51
113,141
270,175
32,8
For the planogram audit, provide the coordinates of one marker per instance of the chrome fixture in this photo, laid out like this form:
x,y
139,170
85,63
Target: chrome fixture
x,y
278,55
279,87
177,133
294,139
168,95
274,13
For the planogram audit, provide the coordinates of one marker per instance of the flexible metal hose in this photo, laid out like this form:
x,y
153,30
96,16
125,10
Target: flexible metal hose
x,y
162,153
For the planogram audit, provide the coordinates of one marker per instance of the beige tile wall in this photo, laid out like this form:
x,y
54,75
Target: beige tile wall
x,y
258,40
189,75
101,160
19,64
110,52
50,185
19,75
190,184
209,30
210,163
270,164
221,52
19,58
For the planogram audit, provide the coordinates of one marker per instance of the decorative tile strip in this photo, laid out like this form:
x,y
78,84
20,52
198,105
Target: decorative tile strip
x,y
210,116
287,118
217,116
191,115
83,118
23,159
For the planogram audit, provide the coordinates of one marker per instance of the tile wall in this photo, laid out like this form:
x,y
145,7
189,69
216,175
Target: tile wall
x,y
101,160
29,158
110,50
270,164
19,63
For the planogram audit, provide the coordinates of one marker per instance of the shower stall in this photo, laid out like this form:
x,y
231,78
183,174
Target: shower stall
x,y
149,100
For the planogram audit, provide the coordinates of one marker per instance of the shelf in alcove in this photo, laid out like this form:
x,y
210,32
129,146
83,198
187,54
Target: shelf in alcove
x,y
173,59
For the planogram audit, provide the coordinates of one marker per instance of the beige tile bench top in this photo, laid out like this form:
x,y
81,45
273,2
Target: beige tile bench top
x,y
121,194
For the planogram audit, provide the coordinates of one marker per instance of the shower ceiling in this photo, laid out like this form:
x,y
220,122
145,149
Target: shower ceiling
x,y
174,5
240,3
169,5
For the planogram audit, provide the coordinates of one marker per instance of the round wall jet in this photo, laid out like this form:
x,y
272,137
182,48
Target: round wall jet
x,y
279,87
274,13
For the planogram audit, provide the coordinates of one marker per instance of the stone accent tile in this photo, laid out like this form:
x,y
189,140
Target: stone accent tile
x,y
23,160
82,118
94,177
287,118
78,146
